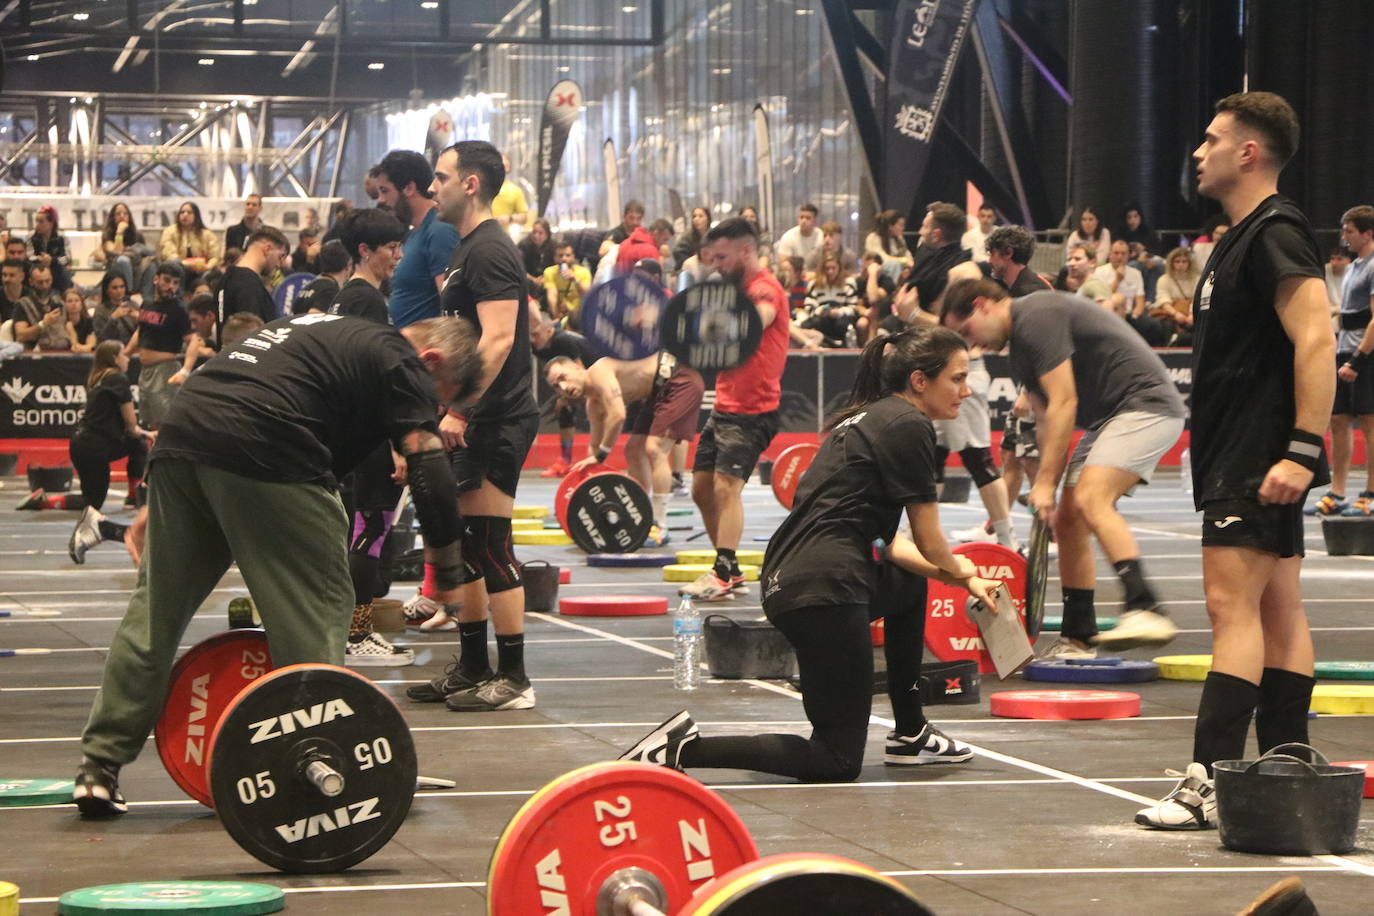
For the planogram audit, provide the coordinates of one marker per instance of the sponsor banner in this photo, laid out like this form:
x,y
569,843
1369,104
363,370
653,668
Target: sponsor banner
x,y
153,214
42,397
561,109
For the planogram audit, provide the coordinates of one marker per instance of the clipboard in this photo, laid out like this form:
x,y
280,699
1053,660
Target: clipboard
x,y
1003,635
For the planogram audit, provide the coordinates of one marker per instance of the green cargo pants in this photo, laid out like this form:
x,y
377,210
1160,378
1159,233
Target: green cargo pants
x,y
290,541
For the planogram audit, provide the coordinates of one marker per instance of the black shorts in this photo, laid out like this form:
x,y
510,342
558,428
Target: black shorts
x,y
495,451
731,443
1354,399
1246,523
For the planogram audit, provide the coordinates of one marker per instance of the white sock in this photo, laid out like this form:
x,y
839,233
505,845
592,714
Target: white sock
x,y
660,502
1002,529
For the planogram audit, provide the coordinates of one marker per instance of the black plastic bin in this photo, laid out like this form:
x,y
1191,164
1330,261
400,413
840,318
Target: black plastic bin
x,y
746,649
1282,805
541,585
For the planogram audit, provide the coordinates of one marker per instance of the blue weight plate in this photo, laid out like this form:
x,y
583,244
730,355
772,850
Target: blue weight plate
x,y
1129,671
621,317
632,560
1107,661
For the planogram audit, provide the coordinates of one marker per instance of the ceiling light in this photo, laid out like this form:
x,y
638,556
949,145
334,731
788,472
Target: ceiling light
x,y
563,69
720,70
250,2
430,4
376,65
81,17
33,57
206,61
202,104
798,12
629,9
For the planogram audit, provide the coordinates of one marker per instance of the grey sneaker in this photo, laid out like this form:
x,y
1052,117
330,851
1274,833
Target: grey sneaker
x,y
97,789
1068,648
1192,805
450,682
663,745
1137,628
85,535
710,587
498,693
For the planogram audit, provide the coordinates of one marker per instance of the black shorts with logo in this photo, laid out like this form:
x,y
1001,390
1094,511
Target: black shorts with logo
x,y
1354,399
731,443
1245,523
496,451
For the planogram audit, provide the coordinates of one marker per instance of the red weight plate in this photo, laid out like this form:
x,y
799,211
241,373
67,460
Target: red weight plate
x,y
950,635
613,606
878,630
204,681
1065,704
789,468
1368,766
579,830
564,576
803,882
565,490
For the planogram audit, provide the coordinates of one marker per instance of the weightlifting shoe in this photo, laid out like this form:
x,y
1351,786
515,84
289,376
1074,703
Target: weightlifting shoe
x,y
1192,805
557,469
493,695
97,789
372,650
930,746
452,681
1137,628
85,535
663,745
1330,504
1362,507
1068,648
982,532
38,499
1286,897
425,613
710,587
657,537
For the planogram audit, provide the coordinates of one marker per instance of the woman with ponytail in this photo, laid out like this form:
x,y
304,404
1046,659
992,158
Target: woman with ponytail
x,y
821,585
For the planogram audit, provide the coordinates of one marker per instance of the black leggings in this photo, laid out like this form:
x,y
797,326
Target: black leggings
x,y
91,455
834,649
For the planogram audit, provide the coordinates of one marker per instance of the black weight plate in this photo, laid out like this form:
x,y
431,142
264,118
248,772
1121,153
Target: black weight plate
x,y
1037,571
259,750
711,326
609,513
621,317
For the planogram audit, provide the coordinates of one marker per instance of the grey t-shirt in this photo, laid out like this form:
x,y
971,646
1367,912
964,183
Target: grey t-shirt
x,y
1114,370
1356,287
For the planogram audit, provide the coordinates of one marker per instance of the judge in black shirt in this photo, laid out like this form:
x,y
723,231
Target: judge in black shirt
x,y
243,289
245,471
335,266
373,239
820,584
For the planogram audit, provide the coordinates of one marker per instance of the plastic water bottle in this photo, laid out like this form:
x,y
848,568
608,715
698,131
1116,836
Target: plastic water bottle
x,y
1185,470
686,645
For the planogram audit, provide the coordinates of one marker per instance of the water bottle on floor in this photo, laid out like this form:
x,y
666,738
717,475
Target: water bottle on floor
x,y
686,645
1185,471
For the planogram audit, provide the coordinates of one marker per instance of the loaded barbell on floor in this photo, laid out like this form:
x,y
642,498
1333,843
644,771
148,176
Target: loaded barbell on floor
x,y
604,511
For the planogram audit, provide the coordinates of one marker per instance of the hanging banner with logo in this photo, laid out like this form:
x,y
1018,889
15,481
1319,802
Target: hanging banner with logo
x,y
763,167
438,135
561,109
926,38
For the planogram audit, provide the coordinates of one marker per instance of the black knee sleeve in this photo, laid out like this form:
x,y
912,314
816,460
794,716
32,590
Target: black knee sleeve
x,y
488,550
978,461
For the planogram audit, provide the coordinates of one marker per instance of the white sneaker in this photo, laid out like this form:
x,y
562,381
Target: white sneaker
x,y
979,532
373,651
85,535
1137,628
427,614
710,587
1192,805
1067,648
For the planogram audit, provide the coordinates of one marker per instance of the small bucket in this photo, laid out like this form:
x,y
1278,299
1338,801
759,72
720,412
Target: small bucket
x,y
1282,805
766,471
8,462
1348,536
954,488
410,566
541,586
53,480
746,649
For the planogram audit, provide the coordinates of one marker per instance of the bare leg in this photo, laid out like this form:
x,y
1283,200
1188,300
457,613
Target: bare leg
x,y
704,495
1340,453
1367,428
1096,494
729,511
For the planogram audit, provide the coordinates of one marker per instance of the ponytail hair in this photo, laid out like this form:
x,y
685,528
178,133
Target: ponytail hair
x,y
886,364
104,362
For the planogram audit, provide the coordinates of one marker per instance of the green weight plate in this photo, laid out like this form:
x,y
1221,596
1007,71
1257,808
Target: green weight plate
x,y
1052,624
683,511
212,898
22,793
1346,671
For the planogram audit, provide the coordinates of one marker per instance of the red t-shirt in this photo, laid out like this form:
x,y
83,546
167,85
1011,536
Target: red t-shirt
x,y
756,386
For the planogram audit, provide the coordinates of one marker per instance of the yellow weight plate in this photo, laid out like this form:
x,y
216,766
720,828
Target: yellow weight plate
x,y
544,537
527,524
1184,667
752,557
1343,699
538,512
688,572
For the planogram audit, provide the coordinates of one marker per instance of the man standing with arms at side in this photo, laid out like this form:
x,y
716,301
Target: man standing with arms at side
x,y
488,434
403,186
744,419
1262,394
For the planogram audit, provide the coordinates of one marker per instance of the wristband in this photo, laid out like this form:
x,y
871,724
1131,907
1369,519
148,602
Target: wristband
x,y
1357,360
1304,448
602,454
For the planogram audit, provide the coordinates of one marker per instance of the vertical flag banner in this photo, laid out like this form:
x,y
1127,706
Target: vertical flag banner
x,y
561,109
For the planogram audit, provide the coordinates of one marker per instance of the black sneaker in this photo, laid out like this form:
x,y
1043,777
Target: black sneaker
x,y
492,695
930,746
663,745
452,681
97,789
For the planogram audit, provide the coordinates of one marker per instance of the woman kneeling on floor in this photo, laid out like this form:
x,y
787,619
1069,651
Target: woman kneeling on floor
x,y
820,583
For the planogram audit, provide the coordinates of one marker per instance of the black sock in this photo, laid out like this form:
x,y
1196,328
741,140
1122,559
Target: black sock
x,y
510,655
1139,596
472,648
111,531
1080,615
726,565
1281,716
902,645
1223,718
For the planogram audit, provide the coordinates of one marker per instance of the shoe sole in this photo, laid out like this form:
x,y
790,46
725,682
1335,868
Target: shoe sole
x,y
897,760
93,807
1143,821
521,702
643,744
365,661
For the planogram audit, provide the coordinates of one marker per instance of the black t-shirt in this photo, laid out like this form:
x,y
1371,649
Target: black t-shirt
x,y
163,325
569,344
930,271
487,267
8,306
243,291
318,295
870,468
361,300
302,399
1243,401
103,402
1026,282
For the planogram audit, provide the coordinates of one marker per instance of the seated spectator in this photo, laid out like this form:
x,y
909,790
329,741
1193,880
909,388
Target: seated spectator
x,y
38,317
204,315
213,278
662,232
17,249
13,286
793,280
1150,265
1336,266
78,334
831,306
975,240
305,259
637,245
123,249
190,244
1134,230
538,252
1091,231
750,214
832,243
565,282
1123,280
888,240
802,240
236,235
1173,303
116,317
878,287
630,220
1078,277
311,220
4,228
1009,251
335,268
50,247
1216,226
690,242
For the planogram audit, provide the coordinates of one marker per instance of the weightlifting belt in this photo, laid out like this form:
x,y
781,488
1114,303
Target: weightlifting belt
x,y
950,682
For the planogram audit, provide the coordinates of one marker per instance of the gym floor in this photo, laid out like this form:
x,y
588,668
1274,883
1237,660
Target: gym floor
x,y
1040,821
